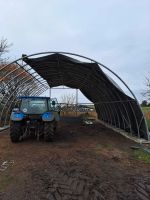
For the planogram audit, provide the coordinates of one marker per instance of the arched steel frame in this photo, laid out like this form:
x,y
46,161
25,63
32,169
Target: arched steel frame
x,y
104,107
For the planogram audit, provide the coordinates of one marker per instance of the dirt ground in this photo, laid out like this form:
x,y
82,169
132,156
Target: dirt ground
x,y
84,162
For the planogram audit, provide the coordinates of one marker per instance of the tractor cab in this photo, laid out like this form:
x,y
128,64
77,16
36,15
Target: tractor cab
x,y
32,115
38,105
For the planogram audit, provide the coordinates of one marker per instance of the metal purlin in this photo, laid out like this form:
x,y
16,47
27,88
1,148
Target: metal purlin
x,y
11,72
27,86
128,122
113,92
126,87
26,70
120,109
103,114
30,74
122,115
38,92
19,80
28,78
113,121
36,87
25,77
135,119
141,122
22,67
13,102
103,107
18,75
106,105
14,99
41,53
5,121
108,110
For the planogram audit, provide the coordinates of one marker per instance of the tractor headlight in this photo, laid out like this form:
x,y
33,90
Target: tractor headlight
x,y
48,116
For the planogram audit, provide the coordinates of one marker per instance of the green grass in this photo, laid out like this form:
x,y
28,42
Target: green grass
x,y
141,155
145,111
148,123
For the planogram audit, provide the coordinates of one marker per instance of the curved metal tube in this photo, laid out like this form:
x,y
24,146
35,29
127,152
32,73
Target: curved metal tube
x,y
14,99
92,60
11,96
26,76
5,121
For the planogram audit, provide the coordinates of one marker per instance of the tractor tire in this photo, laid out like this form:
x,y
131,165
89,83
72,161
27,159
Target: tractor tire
x,y
15,132
49,132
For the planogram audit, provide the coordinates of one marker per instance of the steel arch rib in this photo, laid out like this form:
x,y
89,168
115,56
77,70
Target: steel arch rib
x,y
14,99
92,60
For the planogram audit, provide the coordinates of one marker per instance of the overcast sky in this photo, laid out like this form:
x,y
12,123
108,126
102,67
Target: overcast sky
x,y
114,32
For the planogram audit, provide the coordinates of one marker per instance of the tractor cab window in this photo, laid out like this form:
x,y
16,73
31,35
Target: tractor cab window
x,y
33,106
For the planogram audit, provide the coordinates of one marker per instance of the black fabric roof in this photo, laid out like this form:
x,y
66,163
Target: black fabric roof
x,y
112,104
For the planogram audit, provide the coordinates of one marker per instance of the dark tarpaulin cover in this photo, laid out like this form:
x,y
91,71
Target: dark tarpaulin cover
x,y
113,106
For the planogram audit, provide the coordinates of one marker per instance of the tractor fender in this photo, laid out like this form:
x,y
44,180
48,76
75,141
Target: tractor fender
x,y
48,116
16,116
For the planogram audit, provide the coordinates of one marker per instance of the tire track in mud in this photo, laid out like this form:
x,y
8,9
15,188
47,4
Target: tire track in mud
x,y
71,169
67,180
64,182
142,188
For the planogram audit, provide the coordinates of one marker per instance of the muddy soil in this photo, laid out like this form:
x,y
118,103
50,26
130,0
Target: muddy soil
x,y
88,162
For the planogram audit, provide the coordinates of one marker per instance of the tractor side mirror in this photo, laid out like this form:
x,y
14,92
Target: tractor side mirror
x,y
53,103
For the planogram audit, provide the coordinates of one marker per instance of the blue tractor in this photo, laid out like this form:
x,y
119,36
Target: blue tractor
x,y
37,116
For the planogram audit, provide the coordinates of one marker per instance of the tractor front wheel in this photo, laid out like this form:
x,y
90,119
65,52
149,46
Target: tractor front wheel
x,y
15,132
48,132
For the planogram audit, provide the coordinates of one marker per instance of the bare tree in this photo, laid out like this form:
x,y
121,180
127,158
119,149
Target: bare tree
x,y
4,48
68,102
146,93
68,99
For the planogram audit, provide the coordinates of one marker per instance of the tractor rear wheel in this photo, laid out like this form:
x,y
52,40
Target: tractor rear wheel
x,y
48,132
15,132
